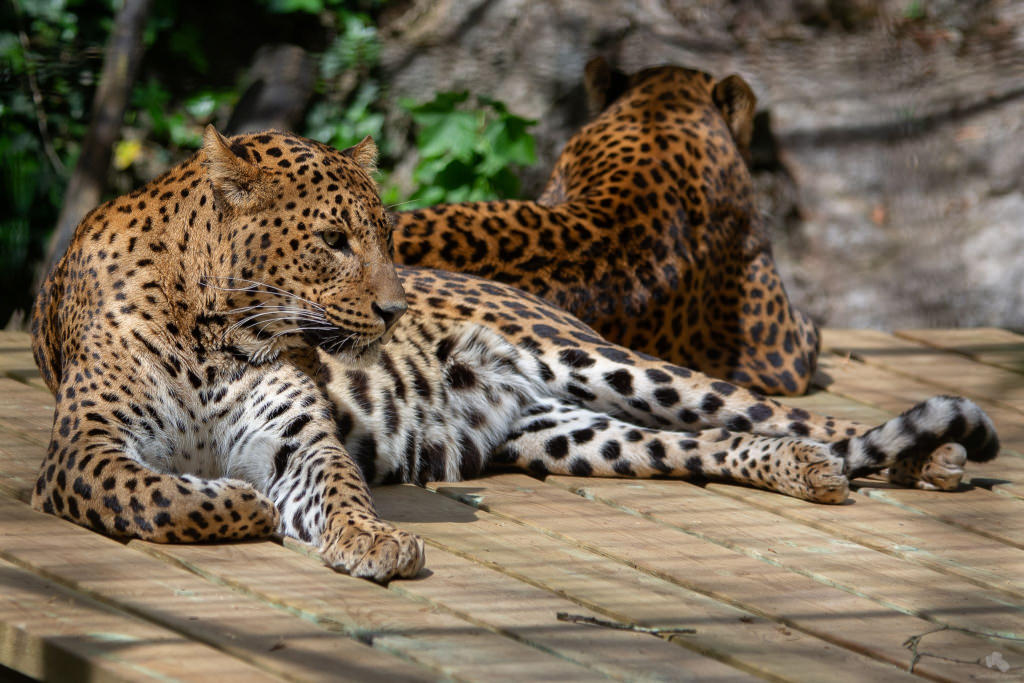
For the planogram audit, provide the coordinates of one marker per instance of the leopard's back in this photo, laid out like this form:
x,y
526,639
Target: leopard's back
x,y
647,231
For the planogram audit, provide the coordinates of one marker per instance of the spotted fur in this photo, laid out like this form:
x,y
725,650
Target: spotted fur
x,y
647,231
230,357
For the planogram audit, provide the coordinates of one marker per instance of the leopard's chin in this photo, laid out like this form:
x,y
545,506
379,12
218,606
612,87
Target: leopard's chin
x,y
366,355
355,357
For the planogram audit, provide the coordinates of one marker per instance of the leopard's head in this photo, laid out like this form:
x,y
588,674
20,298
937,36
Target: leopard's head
x,y
309,244
693,98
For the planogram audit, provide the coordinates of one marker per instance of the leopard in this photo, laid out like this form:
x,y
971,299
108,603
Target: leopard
x,y
234,354
647,230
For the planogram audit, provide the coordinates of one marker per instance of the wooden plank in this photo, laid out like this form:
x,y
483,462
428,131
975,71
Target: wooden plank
x,y
26,407
19,466
16,359
838,544
901,532
989,345
797,603
889,581
506,577
14,341
51,633
268,638
976,510
364,610
825,403
526,612
950,372
26,420
613,587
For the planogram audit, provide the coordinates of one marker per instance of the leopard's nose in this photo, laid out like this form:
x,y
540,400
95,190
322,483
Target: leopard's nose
x,y
390,312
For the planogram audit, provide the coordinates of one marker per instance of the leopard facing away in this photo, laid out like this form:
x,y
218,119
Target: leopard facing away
x,y
233,355
647,231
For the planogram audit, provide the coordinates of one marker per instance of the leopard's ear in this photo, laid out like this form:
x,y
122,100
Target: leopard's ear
x,y
239,182
603,84
364,154
737,102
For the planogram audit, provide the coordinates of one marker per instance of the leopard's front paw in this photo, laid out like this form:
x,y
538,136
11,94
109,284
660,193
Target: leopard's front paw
x,y
371,549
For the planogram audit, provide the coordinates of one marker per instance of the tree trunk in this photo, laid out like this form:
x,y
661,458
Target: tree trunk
x,y
120,65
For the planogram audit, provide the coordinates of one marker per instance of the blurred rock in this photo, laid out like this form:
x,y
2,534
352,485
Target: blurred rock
x,y
894,185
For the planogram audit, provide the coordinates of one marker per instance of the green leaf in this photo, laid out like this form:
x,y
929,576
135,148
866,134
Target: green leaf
x,y
454,135
443,103
202,106
466,153
427,170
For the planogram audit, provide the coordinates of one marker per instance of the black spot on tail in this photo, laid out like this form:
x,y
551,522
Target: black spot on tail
x,y
982,444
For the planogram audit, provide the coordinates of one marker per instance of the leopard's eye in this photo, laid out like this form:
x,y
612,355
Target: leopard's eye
x,y
335,239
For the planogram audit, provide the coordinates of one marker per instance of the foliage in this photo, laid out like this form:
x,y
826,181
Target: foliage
x,y
46,84
341,118
467,153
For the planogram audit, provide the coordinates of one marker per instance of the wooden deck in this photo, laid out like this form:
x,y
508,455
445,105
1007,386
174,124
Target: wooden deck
x,y
894,582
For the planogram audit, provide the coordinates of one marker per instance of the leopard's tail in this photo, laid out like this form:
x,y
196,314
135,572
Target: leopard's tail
x,y
918,432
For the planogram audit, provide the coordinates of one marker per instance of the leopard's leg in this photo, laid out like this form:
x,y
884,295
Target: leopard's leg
x,y
293,455
89,478
653,393
563,438
777,345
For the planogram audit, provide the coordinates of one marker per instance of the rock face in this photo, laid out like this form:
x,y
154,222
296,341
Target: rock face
x,y
890,159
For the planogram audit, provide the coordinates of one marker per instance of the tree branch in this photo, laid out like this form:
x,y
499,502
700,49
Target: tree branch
x,y
37,98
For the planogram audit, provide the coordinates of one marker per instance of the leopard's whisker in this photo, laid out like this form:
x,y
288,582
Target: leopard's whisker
x,y
252,321
266,306
298,330
322,326
280,315
295,313
257,284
